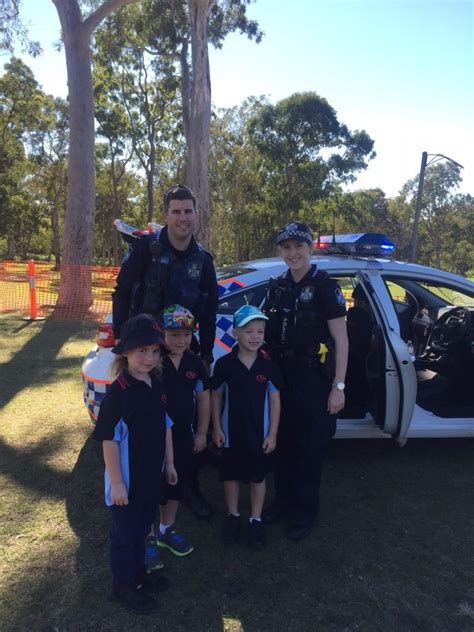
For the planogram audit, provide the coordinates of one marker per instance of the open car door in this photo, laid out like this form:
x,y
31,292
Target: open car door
x,y
390,370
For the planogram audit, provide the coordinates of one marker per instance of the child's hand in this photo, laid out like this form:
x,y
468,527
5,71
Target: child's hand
x,y
218,437
170,474
269,444
200,442
118,494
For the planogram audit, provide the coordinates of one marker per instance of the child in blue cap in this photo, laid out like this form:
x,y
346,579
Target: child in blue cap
x,y
135,432
245,407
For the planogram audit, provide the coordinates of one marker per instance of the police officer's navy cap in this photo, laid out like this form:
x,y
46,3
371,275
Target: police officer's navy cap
x,y
140,331
246,314
295,230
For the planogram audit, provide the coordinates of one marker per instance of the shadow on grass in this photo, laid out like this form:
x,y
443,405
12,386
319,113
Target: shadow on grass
x,y
391,553
36,361
28,466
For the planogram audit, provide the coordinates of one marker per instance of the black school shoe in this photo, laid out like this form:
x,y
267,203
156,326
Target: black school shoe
x,y
256,535
152,581
197,503
231,529
133,598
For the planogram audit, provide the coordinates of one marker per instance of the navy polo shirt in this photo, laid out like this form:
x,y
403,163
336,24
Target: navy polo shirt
x,y
134,415
181,385
245,418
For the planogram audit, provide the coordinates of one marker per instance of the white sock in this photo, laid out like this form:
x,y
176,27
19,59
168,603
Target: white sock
x,y
163,527
237,515
255,520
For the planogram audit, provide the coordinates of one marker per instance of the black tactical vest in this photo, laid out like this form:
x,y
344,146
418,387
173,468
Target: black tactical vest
x,y
171,280
296,322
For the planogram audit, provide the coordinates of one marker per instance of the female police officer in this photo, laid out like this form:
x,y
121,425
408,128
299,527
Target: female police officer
x,y
306,330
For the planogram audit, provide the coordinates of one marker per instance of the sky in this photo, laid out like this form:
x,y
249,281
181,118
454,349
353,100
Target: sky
x,y
402,70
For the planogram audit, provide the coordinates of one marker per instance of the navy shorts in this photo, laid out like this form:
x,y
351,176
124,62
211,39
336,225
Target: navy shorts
x,y
246,468
183,452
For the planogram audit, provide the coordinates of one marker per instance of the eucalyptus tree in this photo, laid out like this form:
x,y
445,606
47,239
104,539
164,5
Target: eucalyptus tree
x,y
438,213
49,147
306,151
21,114
187,27
136,96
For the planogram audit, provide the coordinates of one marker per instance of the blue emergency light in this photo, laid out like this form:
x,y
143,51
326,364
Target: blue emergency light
x,y
359,244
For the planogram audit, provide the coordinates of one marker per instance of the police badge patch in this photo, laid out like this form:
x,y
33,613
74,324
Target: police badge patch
x,y
340,297
307,294
193,270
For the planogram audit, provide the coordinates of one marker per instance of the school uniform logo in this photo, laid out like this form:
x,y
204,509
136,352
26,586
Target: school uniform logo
x,y
340,297
193,270
191,375
307,294
261,378
163,398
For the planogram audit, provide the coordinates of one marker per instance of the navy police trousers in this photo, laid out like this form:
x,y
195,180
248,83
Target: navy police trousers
x,y
304,433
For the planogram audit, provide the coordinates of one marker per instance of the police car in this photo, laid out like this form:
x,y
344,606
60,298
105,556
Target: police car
x,y
411,339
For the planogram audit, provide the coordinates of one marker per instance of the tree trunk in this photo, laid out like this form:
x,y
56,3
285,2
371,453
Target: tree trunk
x,y
56,245
150,175
75,283
185,100
80,211
200,113
10,247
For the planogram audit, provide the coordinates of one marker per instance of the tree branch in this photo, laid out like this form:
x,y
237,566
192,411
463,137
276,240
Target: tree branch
x,y
105,9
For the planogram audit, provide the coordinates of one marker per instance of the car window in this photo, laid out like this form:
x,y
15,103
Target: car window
x,y
230,272
397,292
254,295
451,296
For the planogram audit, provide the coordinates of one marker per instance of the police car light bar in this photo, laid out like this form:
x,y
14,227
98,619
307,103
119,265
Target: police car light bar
x,y
360,244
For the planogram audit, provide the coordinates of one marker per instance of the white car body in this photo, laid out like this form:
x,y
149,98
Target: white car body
x,y
393,409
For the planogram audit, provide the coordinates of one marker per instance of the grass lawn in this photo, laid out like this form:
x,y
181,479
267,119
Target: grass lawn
x,y
394,549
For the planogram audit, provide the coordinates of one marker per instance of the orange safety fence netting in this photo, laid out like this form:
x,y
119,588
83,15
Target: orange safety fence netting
x,y
87,290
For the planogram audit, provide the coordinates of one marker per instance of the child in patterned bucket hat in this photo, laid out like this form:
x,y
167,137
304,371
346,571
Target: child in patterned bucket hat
x,y
187,388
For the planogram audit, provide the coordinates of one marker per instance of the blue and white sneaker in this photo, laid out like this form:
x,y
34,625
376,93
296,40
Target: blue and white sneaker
x,y
152,554
175,542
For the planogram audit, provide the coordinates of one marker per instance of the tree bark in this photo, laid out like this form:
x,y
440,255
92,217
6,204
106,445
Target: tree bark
x,y
200,113
78,235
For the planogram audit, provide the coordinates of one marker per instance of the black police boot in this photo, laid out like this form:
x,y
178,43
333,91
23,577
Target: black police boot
x,y
300,526
193,499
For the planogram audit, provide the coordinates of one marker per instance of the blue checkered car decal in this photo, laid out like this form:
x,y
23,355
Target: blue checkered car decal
x,y
93,395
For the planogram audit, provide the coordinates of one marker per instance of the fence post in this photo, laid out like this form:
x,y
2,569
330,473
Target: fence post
x,y
32,284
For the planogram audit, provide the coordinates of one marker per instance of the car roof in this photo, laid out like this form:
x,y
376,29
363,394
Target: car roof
x,y
247,271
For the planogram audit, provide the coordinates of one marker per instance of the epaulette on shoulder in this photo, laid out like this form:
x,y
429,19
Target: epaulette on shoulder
x,y
321,276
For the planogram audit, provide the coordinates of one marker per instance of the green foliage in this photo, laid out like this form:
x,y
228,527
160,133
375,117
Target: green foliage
x,y
305,152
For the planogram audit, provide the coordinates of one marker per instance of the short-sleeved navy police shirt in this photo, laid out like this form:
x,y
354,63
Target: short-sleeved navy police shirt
x,y
134,415
245,418
181,385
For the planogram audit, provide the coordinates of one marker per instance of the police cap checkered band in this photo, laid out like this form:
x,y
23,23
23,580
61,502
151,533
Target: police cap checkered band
x,y
176,317
247,313
140,331
295,230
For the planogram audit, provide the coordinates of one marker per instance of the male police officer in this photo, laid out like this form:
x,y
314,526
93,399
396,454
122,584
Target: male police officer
x,y
171,268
